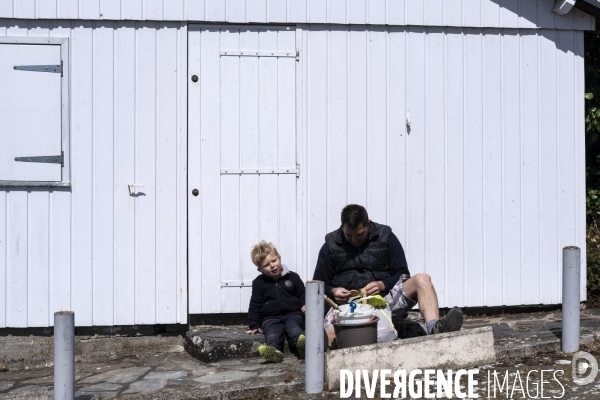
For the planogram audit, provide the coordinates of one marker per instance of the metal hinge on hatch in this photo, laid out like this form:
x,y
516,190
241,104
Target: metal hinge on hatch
x,y
45,159
58,69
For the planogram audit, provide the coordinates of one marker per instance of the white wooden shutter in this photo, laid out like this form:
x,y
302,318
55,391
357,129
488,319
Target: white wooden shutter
x,y
32,130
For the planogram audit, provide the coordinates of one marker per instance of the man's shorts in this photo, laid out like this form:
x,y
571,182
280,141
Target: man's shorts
x,y
398,303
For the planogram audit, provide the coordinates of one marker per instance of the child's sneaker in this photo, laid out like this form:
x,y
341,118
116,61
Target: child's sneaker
x,y
301,345
270,353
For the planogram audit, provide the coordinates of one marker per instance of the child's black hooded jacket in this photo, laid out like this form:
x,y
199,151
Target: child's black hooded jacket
x,y
272,298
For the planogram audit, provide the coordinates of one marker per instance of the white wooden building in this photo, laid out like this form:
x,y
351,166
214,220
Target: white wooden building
x,y
460,123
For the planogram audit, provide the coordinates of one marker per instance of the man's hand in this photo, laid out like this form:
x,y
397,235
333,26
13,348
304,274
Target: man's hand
x,y
303,309
375,287
253,331
341,295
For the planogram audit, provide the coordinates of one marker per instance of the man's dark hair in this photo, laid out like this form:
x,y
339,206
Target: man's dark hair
x,y
354,215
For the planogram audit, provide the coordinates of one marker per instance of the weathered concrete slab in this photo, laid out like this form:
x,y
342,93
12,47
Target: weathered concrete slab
x,y
214,343
146,386
124,375
18,352
449,350
26,394
101,390
166,375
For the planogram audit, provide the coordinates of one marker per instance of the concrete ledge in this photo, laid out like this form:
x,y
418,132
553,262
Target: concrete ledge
x,y
18,352
530,348
454,350
249,391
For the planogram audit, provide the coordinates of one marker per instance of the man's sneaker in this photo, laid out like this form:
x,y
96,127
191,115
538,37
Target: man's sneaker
x,y
301,345
270,353
451,322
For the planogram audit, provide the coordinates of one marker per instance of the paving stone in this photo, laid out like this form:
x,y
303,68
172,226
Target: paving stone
x,y
231,363
177,382
96,395
123,375
82,375
100,387
30,388
245,367
146,385
26,395
202,372
270,373
6,385
190,364
220,377
48,380
166,375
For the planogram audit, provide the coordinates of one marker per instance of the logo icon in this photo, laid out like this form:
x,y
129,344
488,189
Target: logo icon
x,y
289,284
580,367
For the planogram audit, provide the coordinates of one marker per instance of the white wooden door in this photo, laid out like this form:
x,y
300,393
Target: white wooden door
x,y
30,111
242,158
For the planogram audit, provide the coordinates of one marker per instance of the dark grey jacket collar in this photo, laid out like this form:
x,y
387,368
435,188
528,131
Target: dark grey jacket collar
x,y
373,234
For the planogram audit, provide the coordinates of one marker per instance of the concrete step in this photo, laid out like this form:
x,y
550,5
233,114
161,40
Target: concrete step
x,y
210,343
214,343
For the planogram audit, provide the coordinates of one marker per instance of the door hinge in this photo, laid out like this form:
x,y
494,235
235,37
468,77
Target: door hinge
x,y
44,159
58,69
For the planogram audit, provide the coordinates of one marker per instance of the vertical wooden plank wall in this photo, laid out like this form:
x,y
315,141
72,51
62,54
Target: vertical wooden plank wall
x,y
477,14
112,258
490,169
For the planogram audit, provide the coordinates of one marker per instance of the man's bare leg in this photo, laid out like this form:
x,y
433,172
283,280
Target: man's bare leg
x,y
420,289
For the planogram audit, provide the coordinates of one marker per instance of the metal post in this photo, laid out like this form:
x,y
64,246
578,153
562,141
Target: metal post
x,y
570,298
64,355
315,338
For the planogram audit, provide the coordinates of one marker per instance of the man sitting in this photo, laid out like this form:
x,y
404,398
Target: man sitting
x,y
362,254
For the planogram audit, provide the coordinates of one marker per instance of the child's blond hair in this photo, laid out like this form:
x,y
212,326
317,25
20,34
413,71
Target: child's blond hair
x,y
260,251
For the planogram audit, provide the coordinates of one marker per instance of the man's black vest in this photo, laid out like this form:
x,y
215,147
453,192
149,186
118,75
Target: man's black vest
x,y
356,266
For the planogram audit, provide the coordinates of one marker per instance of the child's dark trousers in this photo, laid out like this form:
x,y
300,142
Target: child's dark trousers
x,y
277,328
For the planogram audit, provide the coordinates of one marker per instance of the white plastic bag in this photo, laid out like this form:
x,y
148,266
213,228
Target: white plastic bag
x,y
385,328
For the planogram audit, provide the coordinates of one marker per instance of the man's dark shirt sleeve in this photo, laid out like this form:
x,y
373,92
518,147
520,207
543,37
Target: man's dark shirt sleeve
x,y
324,270
397,262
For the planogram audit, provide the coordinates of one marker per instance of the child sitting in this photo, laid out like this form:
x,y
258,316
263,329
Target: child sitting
x,y
276,305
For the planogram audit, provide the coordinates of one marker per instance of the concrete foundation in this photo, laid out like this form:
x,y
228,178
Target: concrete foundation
x,y
17,352
455,350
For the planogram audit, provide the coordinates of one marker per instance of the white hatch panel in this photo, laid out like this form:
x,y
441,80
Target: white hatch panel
x,y
30,112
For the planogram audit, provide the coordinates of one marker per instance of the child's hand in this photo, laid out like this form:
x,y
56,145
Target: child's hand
x,y
253,331
304,309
